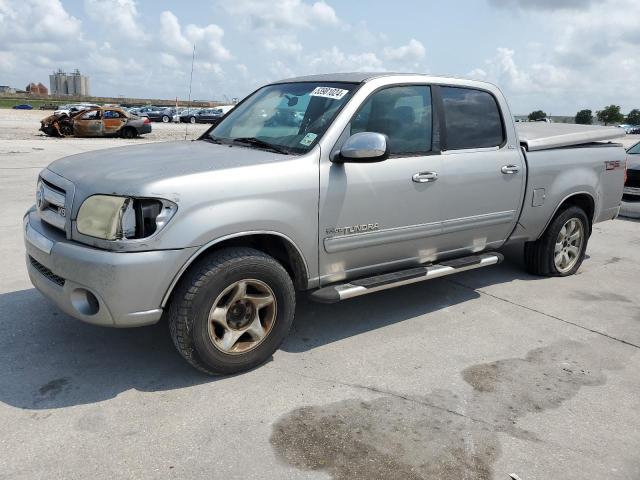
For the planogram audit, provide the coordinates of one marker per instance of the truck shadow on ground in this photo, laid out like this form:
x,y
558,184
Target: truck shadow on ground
x,y
53,361
319,324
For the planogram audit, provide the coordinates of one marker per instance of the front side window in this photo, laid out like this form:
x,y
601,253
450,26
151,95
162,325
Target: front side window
x,y
635,150
472,119
290,117
111,114
92,115
402,113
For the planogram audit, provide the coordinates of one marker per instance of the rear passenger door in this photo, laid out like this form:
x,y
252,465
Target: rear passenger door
x,y
483,174
112,122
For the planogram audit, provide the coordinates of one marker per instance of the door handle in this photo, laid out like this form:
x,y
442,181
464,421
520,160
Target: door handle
x,y
507,169
425,177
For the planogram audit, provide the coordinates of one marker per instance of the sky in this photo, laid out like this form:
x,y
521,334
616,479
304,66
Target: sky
x,y
556,55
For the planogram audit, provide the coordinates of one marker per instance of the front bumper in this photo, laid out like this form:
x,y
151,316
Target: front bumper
x,y
630,202
114,289
630,206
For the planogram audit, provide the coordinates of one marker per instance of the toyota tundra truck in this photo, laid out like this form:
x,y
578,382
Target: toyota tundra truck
x,y
336,185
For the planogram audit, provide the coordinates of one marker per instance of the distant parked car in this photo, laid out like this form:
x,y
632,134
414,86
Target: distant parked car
x,y
163,114
634,130
49,106
225,108
143,111
178,112
190,115
23,106
73,108
209,115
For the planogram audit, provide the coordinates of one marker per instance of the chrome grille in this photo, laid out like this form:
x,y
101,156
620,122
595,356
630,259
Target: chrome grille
x,y
45,272
50,201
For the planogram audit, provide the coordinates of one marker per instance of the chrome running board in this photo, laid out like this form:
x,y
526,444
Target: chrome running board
x,y
364,286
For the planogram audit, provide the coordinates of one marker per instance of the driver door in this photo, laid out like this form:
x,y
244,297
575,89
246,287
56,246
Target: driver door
x,y
88,124
386,215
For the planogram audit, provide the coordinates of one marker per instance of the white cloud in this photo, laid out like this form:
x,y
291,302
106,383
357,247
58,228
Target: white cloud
x,y
281,14
243,70
287,44
412,52
169,60
208,40
278,22
543,4
120,16
31,21
586,61
7,61
335,60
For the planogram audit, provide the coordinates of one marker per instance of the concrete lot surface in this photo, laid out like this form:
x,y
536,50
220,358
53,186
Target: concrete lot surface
x,y
475,376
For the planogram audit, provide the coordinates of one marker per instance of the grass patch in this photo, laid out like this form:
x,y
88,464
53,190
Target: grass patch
x,y
35,103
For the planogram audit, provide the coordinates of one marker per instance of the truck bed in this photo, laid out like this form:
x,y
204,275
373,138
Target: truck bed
x,y
543,136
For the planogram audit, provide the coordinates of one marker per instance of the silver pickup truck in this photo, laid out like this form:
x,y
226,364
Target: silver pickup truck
x,y
338,185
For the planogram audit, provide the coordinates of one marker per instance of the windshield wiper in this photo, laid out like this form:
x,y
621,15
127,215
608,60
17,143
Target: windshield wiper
x,y
261,144
215,140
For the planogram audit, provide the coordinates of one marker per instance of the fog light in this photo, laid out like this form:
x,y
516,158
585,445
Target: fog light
x,y
84,301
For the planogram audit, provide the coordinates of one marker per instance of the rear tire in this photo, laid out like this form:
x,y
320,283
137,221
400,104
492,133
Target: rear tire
x,y
213,322
192,119
560,250
129,132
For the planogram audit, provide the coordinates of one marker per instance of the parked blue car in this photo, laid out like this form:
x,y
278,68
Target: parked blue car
x,y
23,106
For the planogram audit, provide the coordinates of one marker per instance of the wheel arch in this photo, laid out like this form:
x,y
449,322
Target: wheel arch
x,y
584,200
276,244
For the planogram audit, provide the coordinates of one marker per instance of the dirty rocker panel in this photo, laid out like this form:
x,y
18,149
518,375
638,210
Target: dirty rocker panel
x,y
393,235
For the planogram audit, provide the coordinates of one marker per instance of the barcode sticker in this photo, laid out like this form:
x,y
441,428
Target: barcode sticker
x,y
329,92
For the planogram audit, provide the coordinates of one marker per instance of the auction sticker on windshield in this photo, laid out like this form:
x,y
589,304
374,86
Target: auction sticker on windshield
x,y
308,139
329,92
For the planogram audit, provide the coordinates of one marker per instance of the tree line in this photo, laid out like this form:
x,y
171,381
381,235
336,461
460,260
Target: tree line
x,y
608,115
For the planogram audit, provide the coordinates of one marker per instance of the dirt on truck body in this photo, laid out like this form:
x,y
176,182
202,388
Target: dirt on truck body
x,y
95,122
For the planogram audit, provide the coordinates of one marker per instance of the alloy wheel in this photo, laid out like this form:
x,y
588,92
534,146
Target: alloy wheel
x,y
242,316
568,245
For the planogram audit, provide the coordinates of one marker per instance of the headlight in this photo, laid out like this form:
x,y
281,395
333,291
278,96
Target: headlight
x,y
123,218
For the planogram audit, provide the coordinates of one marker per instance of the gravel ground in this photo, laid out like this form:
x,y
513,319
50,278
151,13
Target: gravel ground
x,y
476,376
24,125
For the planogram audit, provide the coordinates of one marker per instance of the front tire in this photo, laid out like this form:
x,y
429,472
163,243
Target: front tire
x,y
165,119
561,249
231,311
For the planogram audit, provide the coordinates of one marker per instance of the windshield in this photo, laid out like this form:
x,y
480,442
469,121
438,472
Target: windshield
x,y
290,116
635,150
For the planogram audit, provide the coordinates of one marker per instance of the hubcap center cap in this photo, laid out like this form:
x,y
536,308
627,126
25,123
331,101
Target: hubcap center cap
x,y
239,315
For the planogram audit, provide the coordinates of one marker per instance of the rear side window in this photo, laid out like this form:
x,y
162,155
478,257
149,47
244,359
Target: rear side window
x,y
472,119
402,113
111,114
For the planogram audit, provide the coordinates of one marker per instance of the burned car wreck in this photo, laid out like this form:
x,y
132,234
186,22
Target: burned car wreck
x,y
95,122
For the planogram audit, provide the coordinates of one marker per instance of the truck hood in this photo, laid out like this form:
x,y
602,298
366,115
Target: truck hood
x,y
125,170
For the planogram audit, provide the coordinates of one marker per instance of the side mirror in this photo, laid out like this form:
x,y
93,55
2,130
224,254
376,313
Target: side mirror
x,y
364,147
